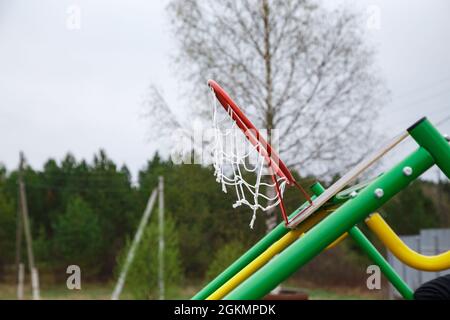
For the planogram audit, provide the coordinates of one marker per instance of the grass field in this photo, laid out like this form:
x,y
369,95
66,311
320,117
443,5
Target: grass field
x,y
102,291
89,291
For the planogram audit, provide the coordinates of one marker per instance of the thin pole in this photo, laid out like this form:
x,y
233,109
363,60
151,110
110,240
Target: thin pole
x,y
19,264
389,272
137,238
26,225
20,280
161,238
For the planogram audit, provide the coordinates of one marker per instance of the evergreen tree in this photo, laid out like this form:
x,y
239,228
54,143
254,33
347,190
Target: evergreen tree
x,y
142,277
78,239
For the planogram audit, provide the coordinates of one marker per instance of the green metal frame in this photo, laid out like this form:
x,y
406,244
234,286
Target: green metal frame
x,y
433,149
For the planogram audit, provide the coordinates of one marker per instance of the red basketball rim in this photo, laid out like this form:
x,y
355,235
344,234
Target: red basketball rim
x,y
252,134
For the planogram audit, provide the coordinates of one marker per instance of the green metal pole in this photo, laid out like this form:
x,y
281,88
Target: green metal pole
x,y
385,267
333,226
317,188
428,137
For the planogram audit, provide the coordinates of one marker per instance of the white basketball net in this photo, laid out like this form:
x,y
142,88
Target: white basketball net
x,y
239,166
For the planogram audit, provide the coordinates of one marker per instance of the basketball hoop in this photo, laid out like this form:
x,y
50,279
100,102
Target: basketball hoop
x,y
232,157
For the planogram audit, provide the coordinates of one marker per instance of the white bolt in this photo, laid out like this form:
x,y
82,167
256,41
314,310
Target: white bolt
x,y
353,194
407,171
379,193
447,137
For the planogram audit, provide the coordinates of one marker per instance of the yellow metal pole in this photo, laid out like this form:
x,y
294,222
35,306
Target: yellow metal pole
x,y
405,254
337,241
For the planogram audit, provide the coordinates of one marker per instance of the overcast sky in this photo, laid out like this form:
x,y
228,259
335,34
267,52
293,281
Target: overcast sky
x,y
67,89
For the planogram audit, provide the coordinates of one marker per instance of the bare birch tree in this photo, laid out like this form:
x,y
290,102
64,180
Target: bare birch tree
x,y
293,65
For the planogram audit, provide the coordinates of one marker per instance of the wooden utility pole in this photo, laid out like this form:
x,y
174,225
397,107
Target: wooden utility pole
x,y
26,226
161,238
19,264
